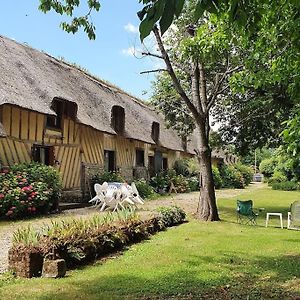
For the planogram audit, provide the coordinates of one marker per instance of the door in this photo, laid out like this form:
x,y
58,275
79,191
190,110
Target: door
x,y
109,160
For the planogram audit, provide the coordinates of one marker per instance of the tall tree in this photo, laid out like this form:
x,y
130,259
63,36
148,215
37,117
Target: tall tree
x,y
203,53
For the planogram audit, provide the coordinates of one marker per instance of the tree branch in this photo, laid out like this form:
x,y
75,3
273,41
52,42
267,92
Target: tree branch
x,y
152,54
173,76
153,71
216,89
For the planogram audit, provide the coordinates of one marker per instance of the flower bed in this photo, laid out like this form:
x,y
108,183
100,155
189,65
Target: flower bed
x,y
81,241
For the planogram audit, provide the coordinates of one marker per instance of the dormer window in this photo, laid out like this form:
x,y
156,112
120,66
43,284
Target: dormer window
x,y
56,121
155,132
118,119
62,109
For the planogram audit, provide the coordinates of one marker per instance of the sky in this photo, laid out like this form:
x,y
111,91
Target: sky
x,y
114,55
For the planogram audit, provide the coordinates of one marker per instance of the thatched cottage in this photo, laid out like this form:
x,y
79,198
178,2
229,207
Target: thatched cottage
x,y
57,114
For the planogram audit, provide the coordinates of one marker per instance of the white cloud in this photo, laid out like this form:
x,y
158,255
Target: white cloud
x,y
131,28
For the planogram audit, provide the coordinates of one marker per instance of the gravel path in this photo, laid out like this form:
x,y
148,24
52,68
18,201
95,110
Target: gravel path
x,y
187,201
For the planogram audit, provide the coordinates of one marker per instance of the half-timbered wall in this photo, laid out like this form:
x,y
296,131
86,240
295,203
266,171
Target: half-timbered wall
x,y
75,145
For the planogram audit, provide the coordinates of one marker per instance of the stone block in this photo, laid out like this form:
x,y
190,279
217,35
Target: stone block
x,y
25,264
54,268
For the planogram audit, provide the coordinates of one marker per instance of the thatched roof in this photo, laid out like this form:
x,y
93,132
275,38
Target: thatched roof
x,y
32,79
2,131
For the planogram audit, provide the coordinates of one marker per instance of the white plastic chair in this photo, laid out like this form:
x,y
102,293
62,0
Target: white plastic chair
x,y
135,196
118,197
100,194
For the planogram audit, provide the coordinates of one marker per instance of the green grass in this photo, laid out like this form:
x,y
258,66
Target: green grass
x,y
197,260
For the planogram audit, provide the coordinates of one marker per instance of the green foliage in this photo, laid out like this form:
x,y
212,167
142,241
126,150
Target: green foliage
x,y
171,216
231,177
28,237
261,154
247,172
291,135
79,241
277,177
193,183
285,186
164,12
218,181
105,177
68,8
268,166
28,189
146,191
161,182
181,167
46,174
193,166
181,183
166,100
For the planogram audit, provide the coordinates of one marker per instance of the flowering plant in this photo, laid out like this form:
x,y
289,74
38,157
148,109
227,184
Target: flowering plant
x,y
21,195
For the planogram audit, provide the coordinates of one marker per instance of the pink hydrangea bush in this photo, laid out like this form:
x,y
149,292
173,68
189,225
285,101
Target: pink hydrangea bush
x,y
21,196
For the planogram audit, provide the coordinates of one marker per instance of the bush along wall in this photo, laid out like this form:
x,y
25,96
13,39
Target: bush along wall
x,y
28,189
80,241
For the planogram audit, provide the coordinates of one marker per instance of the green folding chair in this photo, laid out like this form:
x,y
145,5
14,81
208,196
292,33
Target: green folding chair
x,y
245,213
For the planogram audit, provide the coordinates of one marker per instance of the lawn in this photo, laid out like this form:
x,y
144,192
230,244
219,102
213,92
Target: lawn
x,y
197,260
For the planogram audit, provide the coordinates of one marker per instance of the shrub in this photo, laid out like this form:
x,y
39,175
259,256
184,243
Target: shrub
x,y
193,183
28,189
41,173
247,172
194,167
181,167
171,215
181,184
232,178
105,177
217,177
267,166
161,181
146,191
285,186
277,177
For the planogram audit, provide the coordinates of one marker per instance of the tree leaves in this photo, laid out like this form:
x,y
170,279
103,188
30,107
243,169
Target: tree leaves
x,y
163,11
66,7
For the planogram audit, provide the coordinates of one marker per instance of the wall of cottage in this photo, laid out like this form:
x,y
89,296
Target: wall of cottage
x,y
78,149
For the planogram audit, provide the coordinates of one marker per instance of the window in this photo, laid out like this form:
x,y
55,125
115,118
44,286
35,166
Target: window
x,y
62,108
109,160
140,158
165,163
118,119
155,132
56,121
43,154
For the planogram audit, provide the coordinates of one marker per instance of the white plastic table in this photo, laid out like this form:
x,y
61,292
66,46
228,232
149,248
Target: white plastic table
x,y
276,215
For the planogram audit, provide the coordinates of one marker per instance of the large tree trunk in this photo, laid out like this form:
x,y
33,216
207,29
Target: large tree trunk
x,y
207,207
